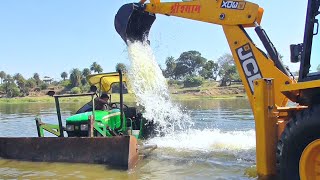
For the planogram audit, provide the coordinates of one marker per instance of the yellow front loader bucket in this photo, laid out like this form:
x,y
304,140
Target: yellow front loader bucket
x,y
133,23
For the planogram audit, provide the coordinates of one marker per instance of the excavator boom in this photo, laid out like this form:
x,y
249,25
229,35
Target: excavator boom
x,y
133,22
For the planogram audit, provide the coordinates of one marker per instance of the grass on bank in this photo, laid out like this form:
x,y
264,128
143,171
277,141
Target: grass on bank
x,y
48,99
128,98
178,93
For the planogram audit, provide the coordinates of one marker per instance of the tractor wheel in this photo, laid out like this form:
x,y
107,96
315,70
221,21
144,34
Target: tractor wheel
x,y
228,83
303,129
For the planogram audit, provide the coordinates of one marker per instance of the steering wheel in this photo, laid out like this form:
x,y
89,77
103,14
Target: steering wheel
x,y
116,105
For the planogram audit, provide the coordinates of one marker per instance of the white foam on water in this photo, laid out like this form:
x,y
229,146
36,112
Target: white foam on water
x,y
207,140
240,144
151,90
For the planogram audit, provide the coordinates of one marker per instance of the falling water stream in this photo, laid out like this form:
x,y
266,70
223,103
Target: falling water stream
x,y
151,90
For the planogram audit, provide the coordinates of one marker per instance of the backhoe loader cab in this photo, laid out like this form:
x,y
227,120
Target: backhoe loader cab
x,y
287,138
306,52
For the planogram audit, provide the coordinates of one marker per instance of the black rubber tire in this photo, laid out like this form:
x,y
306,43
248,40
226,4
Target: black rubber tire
x,y
303,128
228,83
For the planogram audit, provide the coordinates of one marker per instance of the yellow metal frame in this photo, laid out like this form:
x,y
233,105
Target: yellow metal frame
x,y
292,91
266,127
300,86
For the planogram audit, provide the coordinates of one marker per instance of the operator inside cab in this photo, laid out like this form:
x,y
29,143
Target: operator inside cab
x,y
101,103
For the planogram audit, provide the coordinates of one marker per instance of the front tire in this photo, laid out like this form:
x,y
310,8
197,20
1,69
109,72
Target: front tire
x,y
302,129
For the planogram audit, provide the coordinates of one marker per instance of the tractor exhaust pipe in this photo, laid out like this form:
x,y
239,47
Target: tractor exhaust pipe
x,y
133,23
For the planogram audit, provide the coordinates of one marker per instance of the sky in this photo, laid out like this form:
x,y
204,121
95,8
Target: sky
x,y
52,36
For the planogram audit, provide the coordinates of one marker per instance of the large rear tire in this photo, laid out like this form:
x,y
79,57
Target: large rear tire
x,y
303,128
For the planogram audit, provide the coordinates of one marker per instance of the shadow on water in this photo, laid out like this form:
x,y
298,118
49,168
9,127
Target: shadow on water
x,y
220,145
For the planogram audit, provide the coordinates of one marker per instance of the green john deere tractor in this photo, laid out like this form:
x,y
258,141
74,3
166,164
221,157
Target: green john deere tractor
x,y
118,120
93,136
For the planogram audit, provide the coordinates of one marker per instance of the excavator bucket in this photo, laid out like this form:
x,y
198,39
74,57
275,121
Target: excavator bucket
x,y
133,23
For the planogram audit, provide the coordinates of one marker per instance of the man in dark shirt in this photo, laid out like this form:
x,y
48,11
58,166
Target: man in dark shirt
x,y
101,103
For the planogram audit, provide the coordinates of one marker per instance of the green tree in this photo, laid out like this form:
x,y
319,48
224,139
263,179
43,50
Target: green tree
x,y
14,91
64,75
37,78
228,70
31,83
210,70
10,87
8,82
9,78
66,83
189,63
75,90
85,88
18,76
95,67
193,81
2,75
21,82
170,67
122,67
75,77
44,86
86,72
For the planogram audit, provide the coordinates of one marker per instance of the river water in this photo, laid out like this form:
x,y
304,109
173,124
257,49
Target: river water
x,y
220,145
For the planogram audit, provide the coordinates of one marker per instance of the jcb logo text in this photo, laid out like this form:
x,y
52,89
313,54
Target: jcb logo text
x,y
249,64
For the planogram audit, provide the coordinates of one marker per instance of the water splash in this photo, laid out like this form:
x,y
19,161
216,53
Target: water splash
x,y
208,139
240,144
151,90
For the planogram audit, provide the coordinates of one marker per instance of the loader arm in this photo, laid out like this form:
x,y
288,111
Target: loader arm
x,y
234,16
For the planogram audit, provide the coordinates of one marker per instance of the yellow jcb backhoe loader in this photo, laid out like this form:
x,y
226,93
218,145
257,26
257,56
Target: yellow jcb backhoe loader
x,y
287,138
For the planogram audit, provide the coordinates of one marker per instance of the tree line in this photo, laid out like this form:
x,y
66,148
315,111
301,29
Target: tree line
x,y
17,85
192,68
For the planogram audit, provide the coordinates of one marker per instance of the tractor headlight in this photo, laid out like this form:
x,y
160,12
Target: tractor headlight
x,y
70,127
84,127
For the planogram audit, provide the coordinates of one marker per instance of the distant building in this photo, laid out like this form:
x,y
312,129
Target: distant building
x,y
47,79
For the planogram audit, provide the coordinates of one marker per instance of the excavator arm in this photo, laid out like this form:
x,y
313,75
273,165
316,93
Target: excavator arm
x,y
133,22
